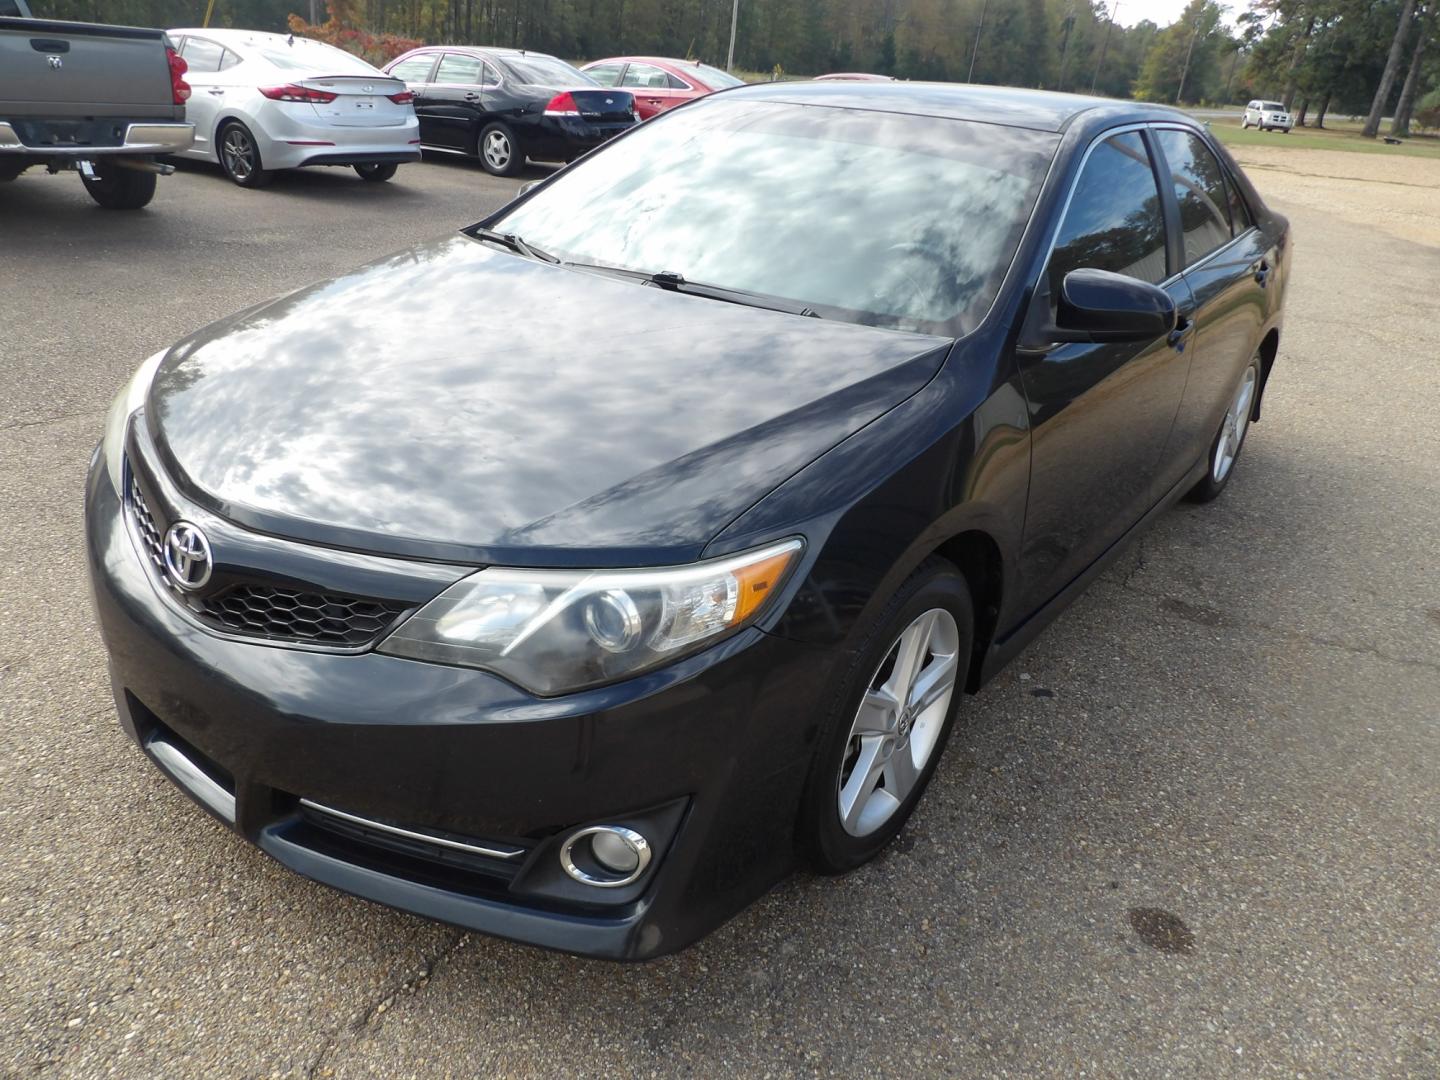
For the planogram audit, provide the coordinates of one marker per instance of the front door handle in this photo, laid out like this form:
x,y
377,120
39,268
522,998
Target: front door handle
x,y
1176,338
472,96
1262,272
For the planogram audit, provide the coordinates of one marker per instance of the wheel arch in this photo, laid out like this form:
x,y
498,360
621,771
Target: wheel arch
x,y
977,556
1269,348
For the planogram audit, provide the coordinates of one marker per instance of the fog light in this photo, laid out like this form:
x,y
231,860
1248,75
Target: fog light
x,y
606,856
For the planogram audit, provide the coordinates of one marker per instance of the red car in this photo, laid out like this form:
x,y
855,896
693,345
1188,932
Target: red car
x,y
659,83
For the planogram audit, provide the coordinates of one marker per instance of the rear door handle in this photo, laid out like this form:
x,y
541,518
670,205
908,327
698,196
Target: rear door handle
x,y
216,90
472,96
1176,338
1262,272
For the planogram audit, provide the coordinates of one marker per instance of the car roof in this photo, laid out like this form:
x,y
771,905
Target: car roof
x,y
481,50
1040,110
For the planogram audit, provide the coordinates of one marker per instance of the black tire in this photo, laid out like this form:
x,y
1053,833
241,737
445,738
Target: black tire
x,y
1216,478
822,838
377,173
118,188
492,158
240,157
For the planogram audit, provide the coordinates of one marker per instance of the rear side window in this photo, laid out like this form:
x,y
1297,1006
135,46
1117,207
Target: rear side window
x,y
1200,190
1114,221
202,56
461,70
604,74
1240,218
416,69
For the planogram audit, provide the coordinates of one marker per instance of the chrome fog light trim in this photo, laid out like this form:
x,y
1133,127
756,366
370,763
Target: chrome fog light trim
x,y
603,876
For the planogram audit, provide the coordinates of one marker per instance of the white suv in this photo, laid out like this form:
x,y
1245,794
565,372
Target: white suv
x,y
1267,116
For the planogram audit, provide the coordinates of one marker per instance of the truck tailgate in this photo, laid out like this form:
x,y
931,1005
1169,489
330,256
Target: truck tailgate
x,y
64,69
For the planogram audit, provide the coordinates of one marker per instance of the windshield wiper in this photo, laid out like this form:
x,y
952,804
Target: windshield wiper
x,y
669,279
674,282
514,241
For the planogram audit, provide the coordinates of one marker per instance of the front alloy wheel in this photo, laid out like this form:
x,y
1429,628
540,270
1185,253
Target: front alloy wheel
x,y
885,724
899,722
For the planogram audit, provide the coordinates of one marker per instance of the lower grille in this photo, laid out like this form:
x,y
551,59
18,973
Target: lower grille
x,y
259,610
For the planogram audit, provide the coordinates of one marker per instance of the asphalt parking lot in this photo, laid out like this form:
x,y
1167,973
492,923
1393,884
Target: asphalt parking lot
x,y
1193,831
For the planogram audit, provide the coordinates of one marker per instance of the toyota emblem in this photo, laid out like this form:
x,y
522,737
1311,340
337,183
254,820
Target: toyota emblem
x,y
187,556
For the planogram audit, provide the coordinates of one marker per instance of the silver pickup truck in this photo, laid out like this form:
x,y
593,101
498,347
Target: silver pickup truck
x,y
106,101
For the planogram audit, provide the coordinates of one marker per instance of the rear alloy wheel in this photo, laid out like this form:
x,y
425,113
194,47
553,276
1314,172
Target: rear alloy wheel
x,y
118,188
377,173
883,738
240,157
498,151
1225,450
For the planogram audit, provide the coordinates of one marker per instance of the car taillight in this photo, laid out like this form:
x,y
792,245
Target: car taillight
x,y
404,97
179,88
562,104
291,92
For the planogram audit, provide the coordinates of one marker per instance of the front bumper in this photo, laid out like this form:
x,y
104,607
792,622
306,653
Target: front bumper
x,y
708,754
89,139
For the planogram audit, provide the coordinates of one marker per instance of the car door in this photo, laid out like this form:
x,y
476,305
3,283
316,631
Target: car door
x,y
652,88
206,62
455,101
416,72
1227,268
1100,415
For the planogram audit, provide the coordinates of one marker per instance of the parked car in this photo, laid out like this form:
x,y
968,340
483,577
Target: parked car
x,y
1267,116
653,528
105,101
659,83
264,102
854,76
505,106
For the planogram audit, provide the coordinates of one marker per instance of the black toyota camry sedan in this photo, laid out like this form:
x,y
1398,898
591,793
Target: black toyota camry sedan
x,y
576,577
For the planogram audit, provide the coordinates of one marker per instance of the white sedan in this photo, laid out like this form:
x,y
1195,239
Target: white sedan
x,y
261,102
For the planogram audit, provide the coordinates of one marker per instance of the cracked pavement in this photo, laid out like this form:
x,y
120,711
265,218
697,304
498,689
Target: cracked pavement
x,y
1193,831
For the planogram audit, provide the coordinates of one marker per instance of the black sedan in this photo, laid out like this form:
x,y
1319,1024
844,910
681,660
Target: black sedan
x,y
506,105
574,578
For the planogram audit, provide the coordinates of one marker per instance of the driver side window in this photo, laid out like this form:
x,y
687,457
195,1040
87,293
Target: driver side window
x,y
1114,221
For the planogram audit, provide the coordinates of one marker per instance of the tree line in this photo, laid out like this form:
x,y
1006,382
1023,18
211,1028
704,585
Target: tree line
x,y
1353,56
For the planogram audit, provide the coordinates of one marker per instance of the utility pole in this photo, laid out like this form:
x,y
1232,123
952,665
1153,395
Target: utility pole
x,y
1065,47
1185,71
983,9
734,19
1105,45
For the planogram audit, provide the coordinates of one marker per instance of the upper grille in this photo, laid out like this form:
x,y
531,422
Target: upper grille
x,y
274,612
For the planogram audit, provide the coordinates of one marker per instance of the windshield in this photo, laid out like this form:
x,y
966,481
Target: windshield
x,y
879,218
713,77
1273,106
313,56
538,70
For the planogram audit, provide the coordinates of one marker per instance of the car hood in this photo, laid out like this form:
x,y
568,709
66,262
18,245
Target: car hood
x,y
460,402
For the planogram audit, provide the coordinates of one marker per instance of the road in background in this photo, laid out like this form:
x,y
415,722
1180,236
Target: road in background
x,y
1193,830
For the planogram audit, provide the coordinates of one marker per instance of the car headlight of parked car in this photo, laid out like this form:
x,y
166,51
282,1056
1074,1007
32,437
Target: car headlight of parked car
x,y
130,398
556,631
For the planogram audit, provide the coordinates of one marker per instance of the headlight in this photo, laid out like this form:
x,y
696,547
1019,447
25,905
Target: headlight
x,y
554,631
130,398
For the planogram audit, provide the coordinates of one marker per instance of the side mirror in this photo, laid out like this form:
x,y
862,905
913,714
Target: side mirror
x,y
1098,306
